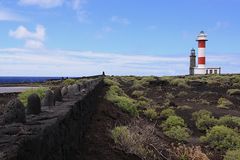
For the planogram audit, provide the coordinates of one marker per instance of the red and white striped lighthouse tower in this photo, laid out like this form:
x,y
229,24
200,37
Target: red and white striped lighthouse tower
x,y
202,38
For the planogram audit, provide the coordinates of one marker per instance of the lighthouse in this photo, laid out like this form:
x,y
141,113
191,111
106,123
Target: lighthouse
x,y
201,68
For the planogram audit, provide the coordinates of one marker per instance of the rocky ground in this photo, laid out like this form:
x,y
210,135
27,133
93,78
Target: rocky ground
x,y
185,95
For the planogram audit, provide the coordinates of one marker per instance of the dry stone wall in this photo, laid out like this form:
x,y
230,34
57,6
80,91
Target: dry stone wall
x,y
54,134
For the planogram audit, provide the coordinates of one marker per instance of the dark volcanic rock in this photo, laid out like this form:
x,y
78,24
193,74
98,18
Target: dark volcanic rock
x,y
34,104
14,112
49,99
58,94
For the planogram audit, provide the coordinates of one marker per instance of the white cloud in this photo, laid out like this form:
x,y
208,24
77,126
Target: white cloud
x,y
42,3
6,15
82,14
74,63
34,44
32,39
120,20
23,33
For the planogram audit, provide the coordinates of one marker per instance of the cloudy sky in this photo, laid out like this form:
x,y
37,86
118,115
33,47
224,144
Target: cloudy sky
x,y
124,37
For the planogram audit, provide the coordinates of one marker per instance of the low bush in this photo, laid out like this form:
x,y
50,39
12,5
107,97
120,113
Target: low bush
x,y
178,133
236,85
136,140
173,121
182,94
189,153
67,82
116,95
170,96
184,107
224,103
204,101
232,92
120,133
221,137
111,82
232,155
230,121
151,113
180,82
23,97
167,113
174,127
137,93
204,120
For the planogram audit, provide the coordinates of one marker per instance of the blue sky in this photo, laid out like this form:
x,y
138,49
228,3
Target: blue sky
x,y
125,37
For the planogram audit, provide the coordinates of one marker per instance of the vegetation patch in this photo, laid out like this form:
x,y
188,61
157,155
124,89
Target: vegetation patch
x,y
224,103
230,121
204,120
184,107
151,113
232,155
232,92
136,140
182,94
180,82
167,113
23,97
189,153
221,137
137,93
70,81
174,127
110,82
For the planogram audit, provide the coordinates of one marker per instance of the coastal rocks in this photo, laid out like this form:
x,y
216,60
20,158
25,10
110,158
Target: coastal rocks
x,y
48,99
64,91
58,94
14,112
34,104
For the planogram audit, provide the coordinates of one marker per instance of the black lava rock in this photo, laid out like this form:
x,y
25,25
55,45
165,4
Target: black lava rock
x,y
14,112
34,104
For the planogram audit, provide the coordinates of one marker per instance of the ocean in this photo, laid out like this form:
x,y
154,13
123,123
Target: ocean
x,y
26,79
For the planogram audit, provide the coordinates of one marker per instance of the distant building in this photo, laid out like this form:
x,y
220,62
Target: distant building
x,y
201,68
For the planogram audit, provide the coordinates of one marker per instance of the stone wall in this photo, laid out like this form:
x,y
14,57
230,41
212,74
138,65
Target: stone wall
x,y
56,133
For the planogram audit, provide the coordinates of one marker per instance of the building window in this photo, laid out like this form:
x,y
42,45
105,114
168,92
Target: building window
x,y
206,71
211,71
215,71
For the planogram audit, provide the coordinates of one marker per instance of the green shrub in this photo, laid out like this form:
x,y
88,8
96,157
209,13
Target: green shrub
x,y
174,127
204,101
229,121
116,95
23,97
151,113
137,93
167,112
221,137
236,85
177,132
232,155
184,107
173,121
232,92
120,133
111,82
204,120
224,103
182,94
170,96
180,82
67,82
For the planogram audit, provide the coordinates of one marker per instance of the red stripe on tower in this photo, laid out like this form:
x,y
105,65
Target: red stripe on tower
x,y
202,38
